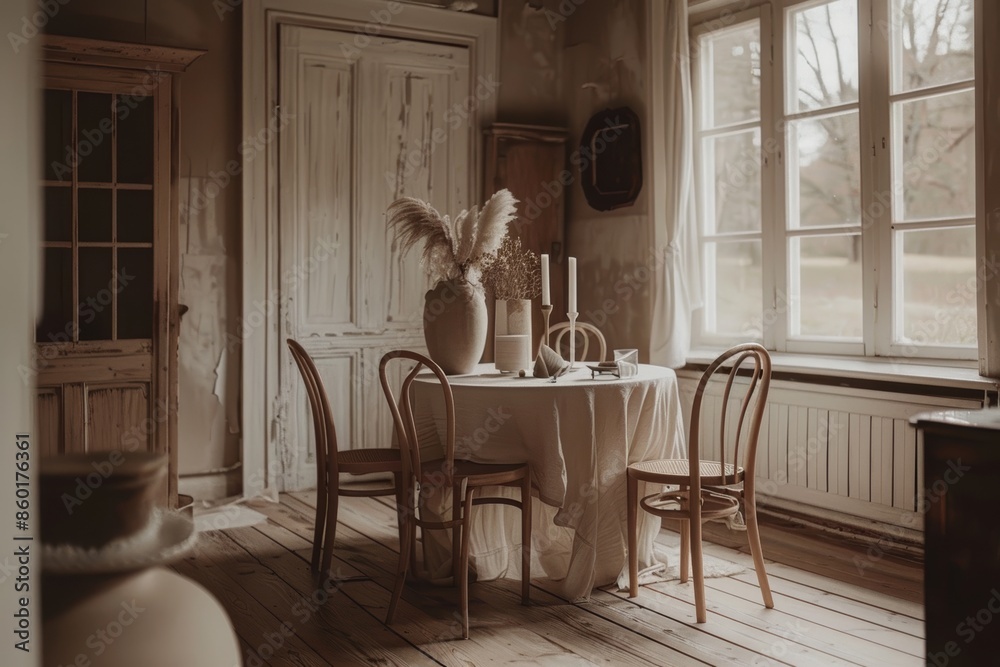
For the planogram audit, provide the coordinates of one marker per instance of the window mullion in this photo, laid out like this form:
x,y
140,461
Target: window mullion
x,y
877,183
773,138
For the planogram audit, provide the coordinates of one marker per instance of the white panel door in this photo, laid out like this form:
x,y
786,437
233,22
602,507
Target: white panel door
x,y
366,121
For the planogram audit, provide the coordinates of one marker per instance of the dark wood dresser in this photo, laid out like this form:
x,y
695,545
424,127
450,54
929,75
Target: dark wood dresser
x,y
961,500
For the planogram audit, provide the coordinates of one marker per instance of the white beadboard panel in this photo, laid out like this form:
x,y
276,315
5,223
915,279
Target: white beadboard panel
x,y
841,453
781,444
827,448
899,456
876,459
888,444
865,459
798,459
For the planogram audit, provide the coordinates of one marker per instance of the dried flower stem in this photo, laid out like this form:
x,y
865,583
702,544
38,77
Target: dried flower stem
x,y
514,272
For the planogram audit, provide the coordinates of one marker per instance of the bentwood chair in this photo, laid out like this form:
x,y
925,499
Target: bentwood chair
x,y
464,478
330,463
586,330
709,489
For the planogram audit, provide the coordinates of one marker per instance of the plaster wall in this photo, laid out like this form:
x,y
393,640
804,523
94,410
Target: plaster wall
x,y
605,56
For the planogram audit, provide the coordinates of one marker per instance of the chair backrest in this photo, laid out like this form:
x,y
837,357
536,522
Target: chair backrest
x,y
319,404
402,413
747,424
586,330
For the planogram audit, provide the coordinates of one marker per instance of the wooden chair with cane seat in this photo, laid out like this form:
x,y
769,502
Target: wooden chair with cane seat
x,y
330,463
463,477
709,489
585,329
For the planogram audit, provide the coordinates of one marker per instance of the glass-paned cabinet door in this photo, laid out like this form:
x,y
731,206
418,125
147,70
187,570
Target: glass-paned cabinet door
x,y
98,181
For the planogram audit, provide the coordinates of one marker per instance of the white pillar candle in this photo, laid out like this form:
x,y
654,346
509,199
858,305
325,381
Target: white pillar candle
x,y
546,297
572,284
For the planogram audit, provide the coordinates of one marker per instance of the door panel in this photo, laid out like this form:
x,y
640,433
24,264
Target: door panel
x,y
117,417
325,190
366,126
49,419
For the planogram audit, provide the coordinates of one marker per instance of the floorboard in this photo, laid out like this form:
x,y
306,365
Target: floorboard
x,y
824,614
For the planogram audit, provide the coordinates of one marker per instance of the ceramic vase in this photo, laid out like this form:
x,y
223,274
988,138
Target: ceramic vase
x,y
455,325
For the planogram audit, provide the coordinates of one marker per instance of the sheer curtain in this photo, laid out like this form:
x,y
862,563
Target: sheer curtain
x,y
676,288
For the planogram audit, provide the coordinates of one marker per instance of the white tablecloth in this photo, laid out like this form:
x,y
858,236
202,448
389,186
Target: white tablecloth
x,y
578,434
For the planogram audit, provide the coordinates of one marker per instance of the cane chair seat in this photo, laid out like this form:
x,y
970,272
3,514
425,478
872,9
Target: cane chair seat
x,y
678,471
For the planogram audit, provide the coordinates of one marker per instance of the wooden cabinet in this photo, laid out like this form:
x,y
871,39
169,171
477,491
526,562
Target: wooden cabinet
x,y
962,535
530,161
106,368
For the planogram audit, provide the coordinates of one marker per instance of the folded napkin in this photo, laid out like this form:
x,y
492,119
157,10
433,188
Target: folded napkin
x,y
548,363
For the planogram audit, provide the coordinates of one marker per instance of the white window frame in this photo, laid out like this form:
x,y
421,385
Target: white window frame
x,y
879,270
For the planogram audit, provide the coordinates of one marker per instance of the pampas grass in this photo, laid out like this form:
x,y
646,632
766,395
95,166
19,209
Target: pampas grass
x,y
453,249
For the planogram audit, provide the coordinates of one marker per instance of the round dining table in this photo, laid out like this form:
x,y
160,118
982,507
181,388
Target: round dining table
x,y
578,434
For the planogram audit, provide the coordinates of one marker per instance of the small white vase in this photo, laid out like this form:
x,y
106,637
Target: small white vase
x,y
455,325
512,335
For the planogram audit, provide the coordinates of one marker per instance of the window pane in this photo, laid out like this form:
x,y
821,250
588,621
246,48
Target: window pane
x,y
824,171
825,274
731,66
936,139
58,214
95,293
733,289
93,135
734,168
135,297
94,214
135,216
135,139
823,55
938,287
56,323
933,42
57,122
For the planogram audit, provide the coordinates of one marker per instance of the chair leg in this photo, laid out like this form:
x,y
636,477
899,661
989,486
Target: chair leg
x,y
463,570
685,554
333,504
319,529
526,539
404,558
456,516
633,538
753,536
699,574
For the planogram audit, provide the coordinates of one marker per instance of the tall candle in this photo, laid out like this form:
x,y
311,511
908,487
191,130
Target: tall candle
x,y
572,284
546,297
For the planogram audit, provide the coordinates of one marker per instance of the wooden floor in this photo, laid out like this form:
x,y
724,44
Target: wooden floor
x,y
261,575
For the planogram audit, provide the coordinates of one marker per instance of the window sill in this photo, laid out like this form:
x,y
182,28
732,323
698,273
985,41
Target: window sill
x,y
925,372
